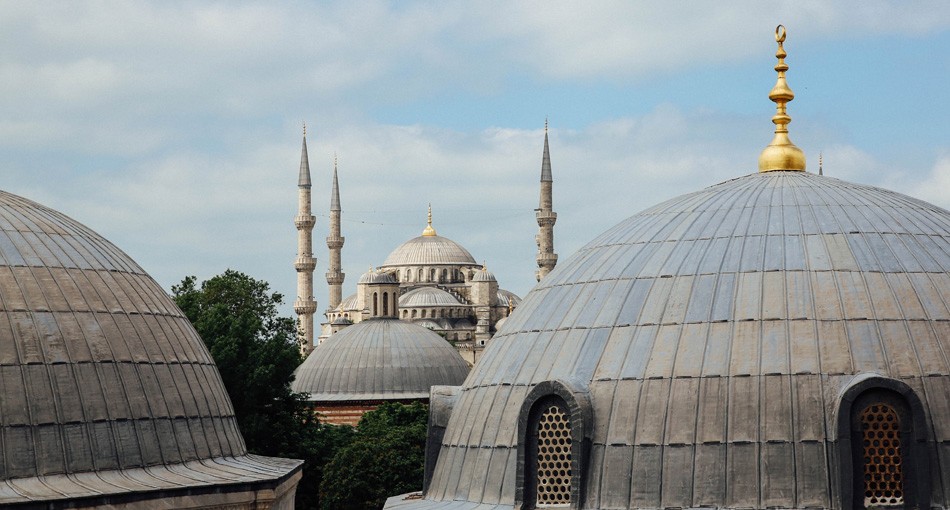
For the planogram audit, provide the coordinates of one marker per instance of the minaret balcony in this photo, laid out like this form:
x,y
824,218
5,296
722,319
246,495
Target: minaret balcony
x,y
335,242
545,259
305,263
305,307
335,277
545,217
304,221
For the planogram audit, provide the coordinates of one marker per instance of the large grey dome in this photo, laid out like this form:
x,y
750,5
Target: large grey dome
x,y
103,379
429,250
379,359
710,348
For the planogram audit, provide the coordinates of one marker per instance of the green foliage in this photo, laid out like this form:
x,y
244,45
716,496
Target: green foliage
x,y
385,458
256,353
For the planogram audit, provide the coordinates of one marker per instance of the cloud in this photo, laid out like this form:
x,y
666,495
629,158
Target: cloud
x,y
935,188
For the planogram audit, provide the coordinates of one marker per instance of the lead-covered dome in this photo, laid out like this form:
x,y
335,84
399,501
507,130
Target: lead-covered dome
x,y
429,250
103,379
714,350
427,296
379,359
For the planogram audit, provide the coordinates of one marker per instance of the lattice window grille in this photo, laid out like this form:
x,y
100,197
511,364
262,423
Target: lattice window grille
x,y
883,472
554,458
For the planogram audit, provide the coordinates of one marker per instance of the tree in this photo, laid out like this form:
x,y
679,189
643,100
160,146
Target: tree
x,y
256,352
385,458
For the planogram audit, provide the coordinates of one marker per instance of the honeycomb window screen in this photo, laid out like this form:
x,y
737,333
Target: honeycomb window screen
x,y
554,458
883,466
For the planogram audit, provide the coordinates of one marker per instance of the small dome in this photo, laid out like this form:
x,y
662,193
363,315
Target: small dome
x,y
432,250
428,324
501,322
379,359
372,277
484,275
427,296
341,321
349,304
102,374
507,298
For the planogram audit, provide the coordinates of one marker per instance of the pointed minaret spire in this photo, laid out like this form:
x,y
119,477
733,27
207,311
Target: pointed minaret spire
x,y
305,305
546,215
335,240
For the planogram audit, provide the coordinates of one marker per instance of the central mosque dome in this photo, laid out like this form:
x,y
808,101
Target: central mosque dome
x,y
779,340
429,249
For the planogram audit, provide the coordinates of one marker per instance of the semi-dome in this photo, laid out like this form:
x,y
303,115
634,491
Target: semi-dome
x,y
429,250
349,303
508,298
714,351
107,389
376,277
379,359
484,275
427,297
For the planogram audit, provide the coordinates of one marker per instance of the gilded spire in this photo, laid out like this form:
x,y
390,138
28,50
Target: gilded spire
x,y
781,153
303,180
429,231
335,193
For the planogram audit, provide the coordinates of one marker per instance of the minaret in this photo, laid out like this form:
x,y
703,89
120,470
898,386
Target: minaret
x,y
335,242
546,215
304,305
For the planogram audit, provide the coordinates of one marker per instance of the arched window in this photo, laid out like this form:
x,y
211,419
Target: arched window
x,y
423,314
419,275
375,304
385,303
432,275
553,439
445,275
882,440
405,314
414,314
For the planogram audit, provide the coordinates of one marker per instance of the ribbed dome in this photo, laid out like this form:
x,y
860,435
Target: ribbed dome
x,y
379,359
429,250
714,339
377,277
349,303
484,275
101,373
427,296
506,297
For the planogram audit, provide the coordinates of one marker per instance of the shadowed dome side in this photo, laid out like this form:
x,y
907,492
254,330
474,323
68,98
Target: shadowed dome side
x,y
379,359
712,338
429,250
101,373
427,296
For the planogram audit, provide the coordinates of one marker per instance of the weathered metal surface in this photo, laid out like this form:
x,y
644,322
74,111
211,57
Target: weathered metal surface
x,y
379,359
715,333
105,387
429,250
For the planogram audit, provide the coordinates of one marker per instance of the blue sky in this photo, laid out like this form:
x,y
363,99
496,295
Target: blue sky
x,y
173,128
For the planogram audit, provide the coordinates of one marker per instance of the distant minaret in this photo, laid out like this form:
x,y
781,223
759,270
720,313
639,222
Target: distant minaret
x,y
546,215
304,305
335,242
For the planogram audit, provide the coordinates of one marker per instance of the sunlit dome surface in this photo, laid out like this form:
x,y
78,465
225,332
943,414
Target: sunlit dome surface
x,y
429,250
714,338
427,296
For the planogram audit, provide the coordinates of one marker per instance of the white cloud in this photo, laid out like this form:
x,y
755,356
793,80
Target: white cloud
x,y
936,187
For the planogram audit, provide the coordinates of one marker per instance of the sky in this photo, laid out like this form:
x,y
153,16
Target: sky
x,y
173,128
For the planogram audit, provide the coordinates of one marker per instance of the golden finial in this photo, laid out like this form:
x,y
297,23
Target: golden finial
x,y
781,153
429,231
305,129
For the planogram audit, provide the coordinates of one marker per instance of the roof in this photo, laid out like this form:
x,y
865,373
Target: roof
x,y
506,297
427,296
101,372
373,277
712,336
303,178
349,303
484,275
379,359
431,250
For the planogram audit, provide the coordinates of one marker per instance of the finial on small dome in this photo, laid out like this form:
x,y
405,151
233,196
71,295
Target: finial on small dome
x,y
781,153
429,231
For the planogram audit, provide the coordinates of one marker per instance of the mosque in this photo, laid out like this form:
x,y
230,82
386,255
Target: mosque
x,y
778,340
440,285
